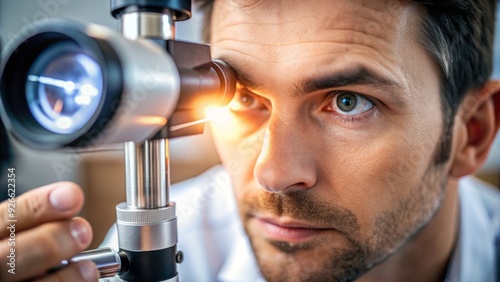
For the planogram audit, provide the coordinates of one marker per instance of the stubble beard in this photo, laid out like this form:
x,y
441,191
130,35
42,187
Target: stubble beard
x,y
391,230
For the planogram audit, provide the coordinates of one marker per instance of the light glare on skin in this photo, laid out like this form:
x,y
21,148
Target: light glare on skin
x,y
292,144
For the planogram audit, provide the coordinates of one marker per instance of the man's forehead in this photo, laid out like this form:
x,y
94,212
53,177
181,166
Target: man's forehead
x,y
286,22
375,5
369,15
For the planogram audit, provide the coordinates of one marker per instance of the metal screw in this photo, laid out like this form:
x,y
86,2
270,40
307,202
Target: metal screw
x,y
179,257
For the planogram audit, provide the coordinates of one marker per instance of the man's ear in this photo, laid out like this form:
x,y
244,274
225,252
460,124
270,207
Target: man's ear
x,y
475,129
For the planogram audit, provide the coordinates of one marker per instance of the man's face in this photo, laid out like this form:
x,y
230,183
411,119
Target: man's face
x,y
331,138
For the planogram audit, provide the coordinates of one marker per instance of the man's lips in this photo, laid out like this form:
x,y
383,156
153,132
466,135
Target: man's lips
x,y
288,230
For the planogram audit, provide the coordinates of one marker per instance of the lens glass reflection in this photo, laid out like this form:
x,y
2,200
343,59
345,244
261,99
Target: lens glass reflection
x,y
64,90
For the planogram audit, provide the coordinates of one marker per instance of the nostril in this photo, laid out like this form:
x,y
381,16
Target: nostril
x,y
283,184
297,186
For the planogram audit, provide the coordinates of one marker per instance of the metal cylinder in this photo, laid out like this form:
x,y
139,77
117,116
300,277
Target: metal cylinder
x,y
147,174
152,25
107,260
181,8
146,229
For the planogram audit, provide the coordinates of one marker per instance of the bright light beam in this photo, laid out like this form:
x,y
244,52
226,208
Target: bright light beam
x,y
211,113
188,124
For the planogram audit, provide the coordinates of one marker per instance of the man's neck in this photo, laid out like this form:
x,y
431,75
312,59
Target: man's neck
x,y
427,255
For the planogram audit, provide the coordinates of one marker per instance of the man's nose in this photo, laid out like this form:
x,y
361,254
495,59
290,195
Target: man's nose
x,y
286,161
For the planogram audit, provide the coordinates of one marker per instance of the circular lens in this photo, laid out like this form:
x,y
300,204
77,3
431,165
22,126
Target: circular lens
x,y
64,88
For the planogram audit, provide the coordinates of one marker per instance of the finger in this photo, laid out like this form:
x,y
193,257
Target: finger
x,y
57,201
45,246
81,271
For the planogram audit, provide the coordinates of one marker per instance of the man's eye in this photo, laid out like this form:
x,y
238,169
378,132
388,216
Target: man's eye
x,y
350,104
244,102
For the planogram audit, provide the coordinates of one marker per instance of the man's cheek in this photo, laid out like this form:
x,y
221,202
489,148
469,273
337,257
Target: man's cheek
x,y
250,147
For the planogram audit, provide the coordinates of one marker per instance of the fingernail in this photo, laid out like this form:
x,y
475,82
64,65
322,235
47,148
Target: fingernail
x,y
88,270
80,232
62,198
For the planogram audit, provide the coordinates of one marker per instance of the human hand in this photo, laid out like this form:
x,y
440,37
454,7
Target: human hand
x,y
45,232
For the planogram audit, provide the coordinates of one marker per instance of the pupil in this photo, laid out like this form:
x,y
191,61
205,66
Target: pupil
x,y
346,102
246,100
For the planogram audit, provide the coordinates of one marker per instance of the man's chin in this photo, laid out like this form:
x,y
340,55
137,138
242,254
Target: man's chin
x,y
311,260
283,261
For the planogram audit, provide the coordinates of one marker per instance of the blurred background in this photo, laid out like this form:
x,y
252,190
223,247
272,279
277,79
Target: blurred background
x,y
102,174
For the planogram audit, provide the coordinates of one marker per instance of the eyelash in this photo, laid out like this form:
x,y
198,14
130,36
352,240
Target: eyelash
x,y
237,103
350,118
347,119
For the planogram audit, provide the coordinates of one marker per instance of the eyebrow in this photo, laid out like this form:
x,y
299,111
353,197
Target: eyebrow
x,y
243,78
357,75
